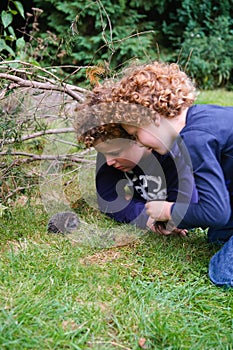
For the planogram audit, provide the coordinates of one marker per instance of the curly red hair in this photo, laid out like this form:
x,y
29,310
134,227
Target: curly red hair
x,y
162,88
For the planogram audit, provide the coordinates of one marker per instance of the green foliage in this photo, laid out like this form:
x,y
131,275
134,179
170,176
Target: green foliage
x,y
89,32
10,44
10,126
196,33
210,62
205,41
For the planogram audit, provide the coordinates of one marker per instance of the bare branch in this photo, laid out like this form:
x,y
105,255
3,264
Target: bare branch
x,y
31,66
38,134
44,78
35,157
42,86
18,189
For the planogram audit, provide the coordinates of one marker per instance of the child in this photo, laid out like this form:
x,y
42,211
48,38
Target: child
x,y
207,132
121,162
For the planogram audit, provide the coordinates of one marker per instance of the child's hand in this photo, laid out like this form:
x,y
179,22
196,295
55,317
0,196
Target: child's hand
x,y
166,229
159,210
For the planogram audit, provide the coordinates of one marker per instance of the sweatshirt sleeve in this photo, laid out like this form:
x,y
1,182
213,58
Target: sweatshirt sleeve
x,y
170,173
213,205
110,186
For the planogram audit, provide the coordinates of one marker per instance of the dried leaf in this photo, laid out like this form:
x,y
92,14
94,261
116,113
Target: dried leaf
x,y
142,343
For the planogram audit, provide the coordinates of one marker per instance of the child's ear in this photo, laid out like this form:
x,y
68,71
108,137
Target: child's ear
x,y
157,120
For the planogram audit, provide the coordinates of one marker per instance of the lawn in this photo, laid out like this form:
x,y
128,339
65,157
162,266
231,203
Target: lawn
x,y
108,286
219,97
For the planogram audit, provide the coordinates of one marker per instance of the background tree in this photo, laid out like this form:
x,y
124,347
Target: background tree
x,y
108,34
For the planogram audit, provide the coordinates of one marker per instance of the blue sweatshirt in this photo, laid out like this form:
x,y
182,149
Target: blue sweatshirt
x,y
208,137
156,177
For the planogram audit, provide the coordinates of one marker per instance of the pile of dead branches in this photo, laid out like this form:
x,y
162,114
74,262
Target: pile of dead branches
x,y
37,111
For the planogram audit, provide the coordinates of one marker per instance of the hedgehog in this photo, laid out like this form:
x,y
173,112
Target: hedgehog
x,y
63,222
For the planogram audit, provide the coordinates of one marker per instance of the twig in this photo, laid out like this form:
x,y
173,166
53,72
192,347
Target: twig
x,y
65,142
123,39
38,134
104,26
26,64
15,191
35,157
42,86
188,59
26,72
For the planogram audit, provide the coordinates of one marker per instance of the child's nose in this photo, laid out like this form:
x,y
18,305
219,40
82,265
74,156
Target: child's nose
x,y
110,161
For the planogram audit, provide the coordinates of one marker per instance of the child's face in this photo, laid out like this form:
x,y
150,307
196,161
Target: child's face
x,y
122,154
152,136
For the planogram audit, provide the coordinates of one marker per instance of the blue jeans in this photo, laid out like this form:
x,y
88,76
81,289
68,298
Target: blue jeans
x,y
221,264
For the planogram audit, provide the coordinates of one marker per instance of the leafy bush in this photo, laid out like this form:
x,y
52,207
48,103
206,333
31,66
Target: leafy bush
x,y
89,32
9,42
210,62
107,34
205,41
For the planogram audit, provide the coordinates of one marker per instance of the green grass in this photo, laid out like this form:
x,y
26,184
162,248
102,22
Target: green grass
x,y
61,292
218,97
58,294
